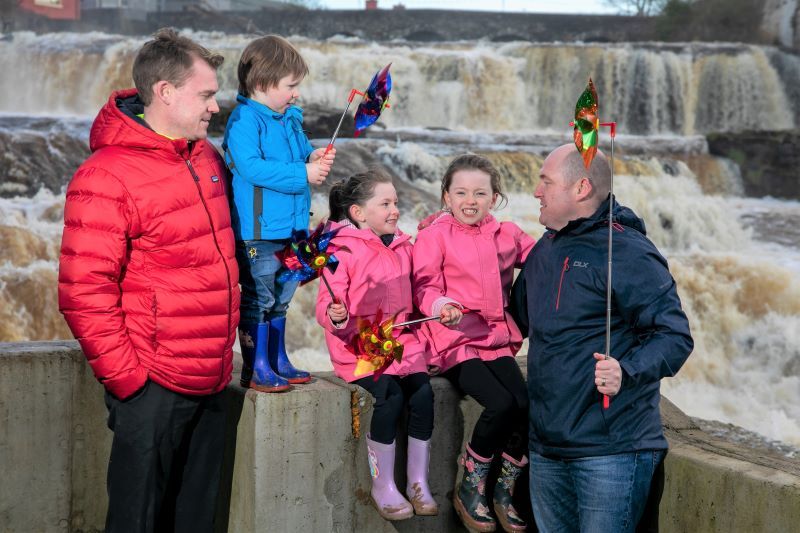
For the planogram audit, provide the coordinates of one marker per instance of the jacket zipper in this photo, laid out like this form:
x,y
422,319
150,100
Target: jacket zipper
x,y
224,262
564,269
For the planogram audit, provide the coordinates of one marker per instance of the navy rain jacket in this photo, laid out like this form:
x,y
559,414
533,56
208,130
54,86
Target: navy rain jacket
x,y
559,302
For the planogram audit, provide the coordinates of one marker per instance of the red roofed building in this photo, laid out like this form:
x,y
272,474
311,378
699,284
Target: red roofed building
x,y
54,9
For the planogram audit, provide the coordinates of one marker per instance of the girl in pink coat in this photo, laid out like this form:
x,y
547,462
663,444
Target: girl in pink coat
x,y
465,259
374,274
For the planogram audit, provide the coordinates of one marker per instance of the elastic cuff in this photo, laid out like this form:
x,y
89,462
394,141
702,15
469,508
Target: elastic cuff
x,y
478,457
440,302
522,462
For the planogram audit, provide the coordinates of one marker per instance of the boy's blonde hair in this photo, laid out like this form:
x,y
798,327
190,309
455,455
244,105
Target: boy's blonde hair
x,y
266,61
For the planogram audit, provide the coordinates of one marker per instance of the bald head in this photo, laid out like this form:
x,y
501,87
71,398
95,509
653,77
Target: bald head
x,y
567,190
573,169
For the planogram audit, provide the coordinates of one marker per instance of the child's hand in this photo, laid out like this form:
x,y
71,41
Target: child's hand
x,y
450,315
337,312
319,153
317,171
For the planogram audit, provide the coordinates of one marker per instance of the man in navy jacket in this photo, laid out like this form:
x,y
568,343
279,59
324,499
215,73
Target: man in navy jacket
x,y
591,467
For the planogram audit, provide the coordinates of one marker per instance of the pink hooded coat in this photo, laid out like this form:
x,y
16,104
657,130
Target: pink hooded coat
x,y
370,276
472,266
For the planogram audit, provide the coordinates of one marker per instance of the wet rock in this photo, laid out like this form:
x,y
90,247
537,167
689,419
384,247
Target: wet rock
x,y
768,160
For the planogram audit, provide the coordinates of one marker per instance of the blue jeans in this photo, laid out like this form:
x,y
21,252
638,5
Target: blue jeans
x,y
263,296
605,494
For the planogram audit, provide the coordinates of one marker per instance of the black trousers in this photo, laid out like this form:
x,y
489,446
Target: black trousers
x,y
499,388
166,459
391,393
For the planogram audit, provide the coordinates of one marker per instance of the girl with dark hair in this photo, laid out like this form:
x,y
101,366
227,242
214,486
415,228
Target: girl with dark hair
x,y
374,275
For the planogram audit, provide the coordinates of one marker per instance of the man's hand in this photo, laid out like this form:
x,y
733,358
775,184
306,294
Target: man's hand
x,y
607,375
337,312
450,315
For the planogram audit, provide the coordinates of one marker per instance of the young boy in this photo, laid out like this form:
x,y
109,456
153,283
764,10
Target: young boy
x,y
273,166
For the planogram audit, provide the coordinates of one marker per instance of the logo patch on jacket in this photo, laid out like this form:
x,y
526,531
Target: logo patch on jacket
x,y
214,179
581,264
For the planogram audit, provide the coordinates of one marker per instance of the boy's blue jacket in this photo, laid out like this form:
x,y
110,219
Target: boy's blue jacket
x,y
266,153
559,301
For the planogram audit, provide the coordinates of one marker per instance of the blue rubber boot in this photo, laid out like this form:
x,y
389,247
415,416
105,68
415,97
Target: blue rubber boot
x,y
277,353
257,374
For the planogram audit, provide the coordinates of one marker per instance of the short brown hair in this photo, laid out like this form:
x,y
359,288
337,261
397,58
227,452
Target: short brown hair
x,y
473,162
266,61
168,57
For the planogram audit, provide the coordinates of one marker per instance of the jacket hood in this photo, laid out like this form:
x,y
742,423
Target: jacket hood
x,y
623,216
117,125
488,224
293,112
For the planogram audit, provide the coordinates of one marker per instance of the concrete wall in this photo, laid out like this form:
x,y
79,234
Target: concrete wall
x,y
297,461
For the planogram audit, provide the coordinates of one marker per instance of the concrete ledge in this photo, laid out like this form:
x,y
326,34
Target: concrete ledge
x,y
715,486
297,460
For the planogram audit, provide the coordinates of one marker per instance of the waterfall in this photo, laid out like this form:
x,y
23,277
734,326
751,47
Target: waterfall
x,y
648,89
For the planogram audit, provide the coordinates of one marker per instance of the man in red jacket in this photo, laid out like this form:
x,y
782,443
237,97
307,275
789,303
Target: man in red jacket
x,y
148,285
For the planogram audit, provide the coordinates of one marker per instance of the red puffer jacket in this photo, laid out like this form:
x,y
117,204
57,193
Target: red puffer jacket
x,y
148,278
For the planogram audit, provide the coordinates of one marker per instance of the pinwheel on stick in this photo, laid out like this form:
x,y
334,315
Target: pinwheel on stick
x,y
375,346
307,257
374,99
586,136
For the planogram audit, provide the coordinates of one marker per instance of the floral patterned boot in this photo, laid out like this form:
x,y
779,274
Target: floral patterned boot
x,y
510,471
470,498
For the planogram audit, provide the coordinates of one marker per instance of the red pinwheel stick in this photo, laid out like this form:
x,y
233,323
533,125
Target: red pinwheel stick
x,y
426,319
328,286
353,93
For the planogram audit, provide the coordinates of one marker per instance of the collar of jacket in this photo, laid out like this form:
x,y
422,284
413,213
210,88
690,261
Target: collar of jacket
x,y
117,125
293,112
348,229
488,225
622,216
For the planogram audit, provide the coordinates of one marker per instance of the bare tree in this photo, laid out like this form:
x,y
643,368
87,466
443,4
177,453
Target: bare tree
x,y
640,8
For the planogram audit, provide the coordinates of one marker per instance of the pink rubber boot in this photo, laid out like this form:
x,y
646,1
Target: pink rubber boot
x,y
417,489
387,499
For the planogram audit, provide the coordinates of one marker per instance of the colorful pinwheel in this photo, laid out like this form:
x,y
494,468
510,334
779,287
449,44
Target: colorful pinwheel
x,y
586,124
375,346
375,99
307,257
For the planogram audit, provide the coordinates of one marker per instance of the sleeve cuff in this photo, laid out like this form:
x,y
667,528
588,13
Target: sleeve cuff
x,y
439,303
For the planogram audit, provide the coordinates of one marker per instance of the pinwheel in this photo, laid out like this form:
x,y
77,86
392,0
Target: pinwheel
x,y
586,134
307,257
586,124
375,346
374,99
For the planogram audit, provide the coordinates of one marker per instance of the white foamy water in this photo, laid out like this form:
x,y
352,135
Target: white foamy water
x,y
650,88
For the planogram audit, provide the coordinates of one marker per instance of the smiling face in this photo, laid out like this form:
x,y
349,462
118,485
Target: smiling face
x,y
194,103
470,196
379,213
558,195
279,97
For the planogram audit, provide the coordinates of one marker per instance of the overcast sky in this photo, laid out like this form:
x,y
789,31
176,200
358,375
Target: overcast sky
x,y
531,6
